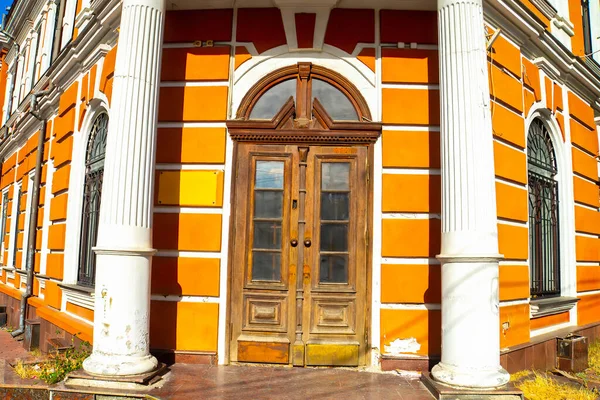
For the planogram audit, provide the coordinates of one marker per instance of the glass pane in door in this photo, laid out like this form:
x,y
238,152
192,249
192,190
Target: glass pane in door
x,y
334,224
267,221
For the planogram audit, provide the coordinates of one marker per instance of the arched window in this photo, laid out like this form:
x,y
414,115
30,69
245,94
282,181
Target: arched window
x,y
544,245
92,191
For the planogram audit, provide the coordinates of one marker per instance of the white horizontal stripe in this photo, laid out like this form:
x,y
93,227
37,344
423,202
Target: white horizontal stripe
x,y
577,204
506,108
194,83
400,46
407,306
509,145
585,178
185,299
411,216
78,317
187,254
185,45
409,128
186,210
513,302
412,171
548,329
510,183
415,86
513,223
520,263
191,125
588,235
188,167
409,261
590,293
588,264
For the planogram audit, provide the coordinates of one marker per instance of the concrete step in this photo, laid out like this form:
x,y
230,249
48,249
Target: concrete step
x,y
444,392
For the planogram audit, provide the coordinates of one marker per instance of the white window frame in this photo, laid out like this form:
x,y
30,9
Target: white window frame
x,y
12,256
28,209
76,187
566,202
16,93
6,112
50,27
595,29
68,23
2,211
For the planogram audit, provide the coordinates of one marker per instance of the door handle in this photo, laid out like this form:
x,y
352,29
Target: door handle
x,y
294,242
307,242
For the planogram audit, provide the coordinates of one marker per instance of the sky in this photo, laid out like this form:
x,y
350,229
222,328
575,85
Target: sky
x,y
3,5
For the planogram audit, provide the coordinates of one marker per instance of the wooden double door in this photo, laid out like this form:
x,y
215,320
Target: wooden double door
x,y
299,262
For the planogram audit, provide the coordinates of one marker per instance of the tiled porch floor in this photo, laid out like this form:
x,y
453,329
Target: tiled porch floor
x,y
184,381
248,382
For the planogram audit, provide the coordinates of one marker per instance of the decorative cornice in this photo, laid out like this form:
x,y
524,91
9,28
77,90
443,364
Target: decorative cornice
x,y
305,3
80,296
556,305
536,42
564,24
546,8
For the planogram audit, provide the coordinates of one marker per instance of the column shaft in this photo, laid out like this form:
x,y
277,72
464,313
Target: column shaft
x,y
124,248
469,254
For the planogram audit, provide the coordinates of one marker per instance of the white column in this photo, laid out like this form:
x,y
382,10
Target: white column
x,y
469,254
124,248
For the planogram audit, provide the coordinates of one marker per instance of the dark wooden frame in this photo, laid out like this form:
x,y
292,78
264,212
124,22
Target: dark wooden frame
x,y
303,123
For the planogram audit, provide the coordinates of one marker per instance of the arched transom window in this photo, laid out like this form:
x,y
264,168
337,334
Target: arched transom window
x,y
94,172
544,245
304,103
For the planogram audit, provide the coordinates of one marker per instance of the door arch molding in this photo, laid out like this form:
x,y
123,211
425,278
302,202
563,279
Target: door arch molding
x,y
303,119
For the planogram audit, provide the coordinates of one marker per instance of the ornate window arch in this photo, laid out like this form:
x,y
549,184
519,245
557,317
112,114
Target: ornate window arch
x,y
304,103
92,192
544,234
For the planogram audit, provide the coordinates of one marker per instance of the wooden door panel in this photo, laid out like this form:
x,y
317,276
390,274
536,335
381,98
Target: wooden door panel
x,y
336,296
299,255
263,262
265,312
333,315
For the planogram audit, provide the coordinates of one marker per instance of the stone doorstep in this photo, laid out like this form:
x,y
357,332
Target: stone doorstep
x,y
445,392
142,382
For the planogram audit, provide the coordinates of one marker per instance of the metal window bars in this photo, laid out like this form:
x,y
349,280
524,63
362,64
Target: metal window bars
x,y
92,193
544,243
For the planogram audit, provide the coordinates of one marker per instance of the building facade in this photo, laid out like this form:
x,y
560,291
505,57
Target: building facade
x,y
387,184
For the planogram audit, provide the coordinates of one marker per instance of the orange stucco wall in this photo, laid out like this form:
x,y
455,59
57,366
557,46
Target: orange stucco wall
x,y
194,103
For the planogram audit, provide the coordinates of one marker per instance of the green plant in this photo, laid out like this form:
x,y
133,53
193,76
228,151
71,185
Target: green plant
x,y
58,365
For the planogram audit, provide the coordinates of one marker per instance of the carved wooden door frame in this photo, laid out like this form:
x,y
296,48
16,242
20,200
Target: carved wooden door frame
x,y
304,121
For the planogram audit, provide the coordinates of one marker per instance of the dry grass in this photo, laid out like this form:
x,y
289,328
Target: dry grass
x,y
542,387
517,376
27,371
594,357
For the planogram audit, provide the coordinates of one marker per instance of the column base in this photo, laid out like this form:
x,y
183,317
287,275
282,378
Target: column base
x,y
470,377
103,365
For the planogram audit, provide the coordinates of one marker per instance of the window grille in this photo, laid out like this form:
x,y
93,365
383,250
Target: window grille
x,y
92,192
544,245
4,217
16,232
587,27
